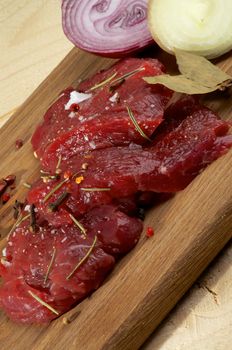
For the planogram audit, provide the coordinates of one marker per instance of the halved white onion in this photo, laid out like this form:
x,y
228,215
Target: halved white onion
x,y
203,27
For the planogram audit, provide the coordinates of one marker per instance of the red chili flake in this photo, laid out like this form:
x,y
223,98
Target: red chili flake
x,y
74,107
79,179
67,174
10,179
149,232
3,186
5,197
18,143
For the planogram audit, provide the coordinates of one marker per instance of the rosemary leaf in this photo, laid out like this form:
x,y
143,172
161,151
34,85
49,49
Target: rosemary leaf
x,y
102,83
49,307
18,222
50,265
95,189
115,81
127,75
24,218
57,187
83,259
137,127
78,224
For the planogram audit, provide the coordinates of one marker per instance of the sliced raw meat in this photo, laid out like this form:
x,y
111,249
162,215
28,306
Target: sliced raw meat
x,y
108,132
181,149
116,235
102,120
106,171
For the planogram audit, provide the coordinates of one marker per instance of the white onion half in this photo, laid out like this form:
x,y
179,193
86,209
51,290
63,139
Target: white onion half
x,y
203,27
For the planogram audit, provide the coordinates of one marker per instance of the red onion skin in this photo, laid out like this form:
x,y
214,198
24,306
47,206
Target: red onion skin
x,y
71,10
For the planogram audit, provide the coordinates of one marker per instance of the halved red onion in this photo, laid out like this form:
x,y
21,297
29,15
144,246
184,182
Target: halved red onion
x,y
112,28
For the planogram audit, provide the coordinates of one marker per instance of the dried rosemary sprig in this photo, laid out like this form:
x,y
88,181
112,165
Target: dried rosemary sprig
x,y
24,218
18,222
78,224
119,80
127,75
55,205
49,307
102,83
50,265
114,87
83,259
57,187
95,189
136,125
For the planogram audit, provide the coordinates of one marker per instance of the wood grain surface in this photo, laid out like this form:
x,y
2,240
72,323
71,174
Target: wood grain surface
x,y
190,230
203,319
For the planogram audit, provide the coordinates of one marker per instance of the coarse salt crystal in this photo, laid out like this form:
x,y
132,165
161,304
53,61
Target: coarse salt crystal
x,y
114,98
27,208
163,169
92,144
64,239
4,252
76,97
5,263
72,115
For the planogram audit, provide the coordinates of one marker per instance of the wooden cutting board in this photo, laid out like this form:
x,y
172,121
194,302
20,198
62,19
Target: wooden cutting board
x,y
190,229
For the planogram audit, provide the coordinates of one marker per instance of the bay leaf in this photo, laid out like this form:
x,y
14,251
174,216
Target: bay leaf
x,y
199,76
180,83
201,70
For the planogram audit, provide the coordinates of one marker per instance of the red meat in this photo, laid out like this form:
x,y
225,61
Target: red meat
x,y
102,122
107,170
183,146
116,235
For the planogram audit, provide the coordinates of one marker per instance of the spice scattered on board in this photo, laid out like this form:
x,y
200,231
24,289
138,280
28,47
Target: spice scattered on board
x,y
6,183
149,231
18,143
5,197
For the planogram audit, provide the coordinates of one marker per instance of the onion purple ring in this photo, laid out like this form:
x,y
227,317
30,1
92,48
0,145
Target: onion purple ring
x,y
112,28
